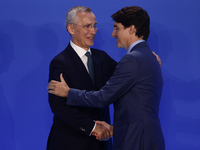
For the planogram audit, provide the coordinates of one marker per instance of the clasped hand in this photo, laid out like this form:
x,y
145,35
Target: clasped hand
x,y
103,131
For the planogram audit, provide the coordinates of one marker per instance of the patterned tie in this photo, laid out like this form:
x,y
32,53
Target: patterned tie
x,y
90,66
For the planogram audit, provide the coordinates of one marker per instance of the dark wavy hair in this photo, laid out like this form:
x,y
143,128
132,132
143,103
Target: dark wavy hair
x,y
134,15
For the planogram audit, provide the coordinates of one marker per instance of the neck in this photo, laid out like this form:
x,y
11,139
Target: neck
x,y
133,40
75,43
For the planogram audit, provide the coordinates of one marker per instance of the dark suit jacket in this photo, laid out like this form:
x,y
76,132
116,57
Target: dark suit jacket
x,y
135,89
72,125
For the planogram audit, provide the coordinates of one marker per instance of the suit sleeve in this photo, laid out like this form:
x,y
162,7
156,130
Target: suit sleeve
x,y
68,114
122,80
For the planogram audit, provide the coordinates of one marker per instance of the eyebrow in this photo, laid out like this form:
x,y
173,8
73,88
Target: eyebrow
x,y
92,23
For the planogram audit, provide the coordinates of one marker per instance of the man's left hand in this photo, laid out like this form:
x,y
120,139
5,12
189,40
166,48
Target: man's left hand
x,y
158,58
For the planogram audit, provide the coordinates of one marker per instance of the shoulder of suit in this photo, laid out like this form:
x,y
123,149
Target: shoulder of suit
x,y
59,58
98,51
94,49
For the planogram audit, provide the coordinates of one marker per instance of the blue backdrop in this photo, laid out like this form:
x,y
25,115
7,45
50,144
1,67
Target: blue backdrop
x,y
32,33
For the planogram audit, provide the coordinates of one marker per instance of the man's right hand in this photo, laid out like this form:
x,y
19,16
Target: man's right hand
x,y
58,88
101,132
108,127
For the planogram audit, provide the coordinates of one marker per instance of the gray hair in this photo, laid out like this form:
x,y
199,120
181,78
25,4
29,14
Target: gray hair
x,y
71,14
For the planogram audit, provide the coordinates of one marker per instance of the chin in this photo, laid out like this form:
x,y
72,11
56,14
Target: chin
x,y
119,46
91,44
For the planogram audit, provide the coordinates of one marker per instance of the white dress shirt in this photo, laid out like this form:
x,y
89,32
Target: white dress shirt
x,y
81,53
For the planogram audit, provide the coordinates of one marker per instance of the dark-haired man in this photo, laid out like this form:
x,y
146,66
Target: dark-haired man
x,y
135,87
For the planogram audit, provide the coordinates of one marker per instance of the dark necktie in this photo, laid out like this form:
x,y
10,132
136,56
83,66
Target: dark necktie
x,y
90,66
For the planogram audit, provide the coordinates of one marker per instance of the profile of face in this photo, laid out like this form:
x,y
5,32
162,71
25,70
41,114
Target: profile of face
x,y
122,35
84,29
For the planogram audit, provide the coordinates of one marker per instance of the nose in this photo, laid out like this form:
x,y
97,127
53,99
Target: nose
x,y
93,30
113,33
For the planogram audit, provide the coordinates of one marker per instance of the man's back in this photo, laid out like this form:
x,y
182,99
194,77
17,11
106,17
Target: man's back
x,y
135,90
136,111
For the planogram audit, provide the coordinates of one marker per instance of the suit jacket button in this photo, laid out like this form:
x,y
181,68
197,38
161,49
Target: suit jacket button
x,y
82,129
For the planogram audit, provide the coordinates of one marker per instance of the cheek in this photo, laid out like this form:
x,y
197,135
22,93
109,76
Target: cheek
x,y
81,34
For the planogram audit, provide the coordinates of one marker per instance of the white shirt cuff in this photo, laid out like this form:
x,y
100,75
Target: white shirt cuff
x,y
93,129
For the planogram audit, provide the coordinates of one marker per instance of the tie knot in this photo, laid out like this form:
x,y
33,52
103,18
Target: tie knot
x,y
88,54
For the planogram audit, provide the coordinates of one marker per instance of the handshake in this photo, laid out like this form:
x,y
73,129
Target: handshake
x,y
103,131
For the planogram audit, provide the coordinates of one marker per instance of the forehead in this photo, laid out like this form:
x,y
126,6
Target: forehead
x,y
116,24
86,17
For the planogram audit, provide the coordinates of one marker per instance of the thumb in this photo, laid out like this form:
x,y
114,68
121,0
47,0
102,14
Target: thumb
x,y
61,78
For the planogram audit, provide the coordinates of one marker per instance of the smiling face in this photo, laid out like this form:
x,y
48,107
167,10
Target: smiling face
x,y
121,34
80,35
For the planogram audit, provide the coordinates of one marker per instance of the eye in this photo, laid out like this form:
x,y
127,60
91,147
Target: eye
x,y
88,26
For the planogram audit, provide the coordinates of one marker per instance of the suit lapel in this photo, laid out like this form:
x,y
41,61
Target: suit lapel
x,y
97,69
79,66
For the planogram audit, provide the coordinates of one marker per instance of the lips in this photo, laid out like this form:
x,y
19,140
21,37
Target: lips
x,y
90,38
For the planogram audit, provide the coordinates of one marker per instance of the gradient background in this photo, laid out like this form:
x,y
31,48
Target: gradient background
x,y
32,32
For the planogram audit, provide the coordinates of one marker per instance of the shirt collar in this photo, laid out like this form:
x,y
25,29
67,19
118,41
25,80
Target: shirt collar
x,y
133,44
80,51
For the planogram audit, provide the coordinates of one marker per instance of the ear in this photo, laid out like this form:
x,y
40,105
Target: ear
x,y
132,29
70,28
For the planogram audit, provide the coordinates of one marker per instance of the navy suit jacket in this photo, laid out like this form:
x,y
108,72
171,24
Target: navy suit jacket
x,y
72,125
135,89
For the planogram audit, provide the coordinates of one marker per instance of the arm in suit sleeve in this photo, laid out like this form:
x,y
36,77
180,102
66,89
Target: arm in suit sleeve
x,y
68,114
122,80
